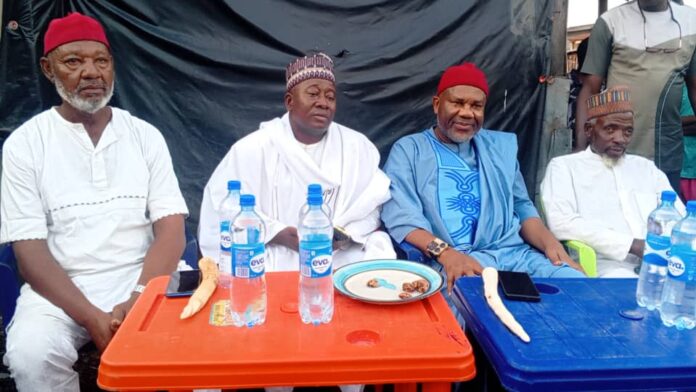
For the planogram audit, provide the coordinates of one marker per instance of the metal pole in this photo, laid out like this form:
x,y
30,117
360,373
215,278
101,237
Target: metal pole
x,y
558,38
2,26
602,7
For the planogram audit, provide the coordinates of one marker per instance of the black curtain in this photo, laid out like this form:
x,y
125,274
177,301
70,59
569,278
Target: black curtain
x,y
207,72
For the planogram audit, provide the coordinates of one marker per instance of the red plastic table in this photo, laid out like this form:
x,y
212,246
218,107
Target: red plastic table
x,y
364,344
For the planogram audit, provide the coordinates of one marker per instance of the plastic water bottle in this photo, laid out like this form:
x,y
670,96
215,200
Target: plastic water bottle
x,y
679,294
229,208
248,283
653,270
315,189
316,265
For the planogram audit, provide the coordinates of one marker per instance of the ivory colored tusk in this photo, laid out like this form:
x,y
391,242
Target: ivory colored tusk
x,y
490,291
209,279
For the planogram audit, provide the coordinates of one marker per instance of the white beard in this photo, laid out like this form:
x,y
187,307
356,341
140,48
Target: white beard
x,y
83,105
610,162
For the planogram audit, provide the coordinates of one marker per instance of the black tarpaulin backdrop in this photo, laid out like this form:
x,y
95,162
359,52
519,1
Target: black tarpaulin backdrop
x,y
208,72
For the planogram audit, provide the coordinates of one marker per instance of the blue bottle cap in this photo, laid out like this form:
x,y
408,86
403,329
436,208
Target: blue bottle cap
x,y
247,200
314,199
314,188
668,196
234,185
691,206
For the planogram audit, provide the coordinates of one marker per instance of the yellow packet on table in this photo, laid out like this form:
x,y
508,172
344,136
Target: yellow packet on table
x,y
220,315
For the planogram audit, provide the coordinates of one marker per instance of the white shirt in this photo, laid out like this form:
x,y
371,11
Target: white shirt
x,y
275,168
94,205
316,150
605,206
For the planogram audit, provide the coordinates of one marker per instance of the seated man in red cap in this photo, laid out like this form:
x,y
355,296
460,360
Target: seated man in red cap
x,y
458,194
91,206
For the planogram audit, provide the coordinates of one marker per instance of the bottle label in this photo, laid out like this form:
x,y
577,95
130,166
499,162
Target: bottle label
x,y
249,261
656,249
682,265
316,262
225,236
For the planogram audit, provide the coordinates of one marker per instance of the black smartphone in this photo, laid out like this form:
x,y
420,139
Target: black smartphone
x,y
340,234
518,286
183,283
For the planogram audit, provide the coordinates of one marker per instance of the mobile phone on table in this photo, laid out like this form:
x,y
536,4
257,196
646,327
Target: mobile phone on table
x,y
183,283
340,234
518,286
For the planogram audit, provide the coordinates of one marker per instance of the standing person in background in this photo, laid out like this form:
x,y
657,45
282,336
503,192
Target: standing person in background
x,y
647,45
576,81
688,174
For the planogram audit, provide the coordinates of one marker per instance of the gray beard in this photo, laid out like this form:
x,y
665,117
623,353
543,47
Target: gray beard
x,y
83,105
609,161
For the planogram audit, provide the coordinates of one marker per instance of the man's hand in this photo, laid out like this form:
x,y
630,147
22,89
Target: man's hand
x,y
637,247
342,244
99,328
287,238
456,265
556,253
118,314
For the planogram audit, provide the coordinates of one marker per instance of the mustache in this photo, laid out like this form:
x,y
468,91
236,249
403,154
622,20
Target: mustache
x,y
86,85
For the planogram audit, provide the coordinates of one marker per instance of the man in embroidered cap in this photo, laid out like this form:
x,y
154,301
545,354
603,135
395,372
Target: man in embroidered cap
x,y
603,196
458,194
649,46
277,162
91,206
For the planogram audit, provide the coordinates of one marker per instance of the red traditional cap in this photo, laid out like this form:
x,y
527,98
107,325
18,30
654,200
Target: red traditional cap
x,y
466,74
74,27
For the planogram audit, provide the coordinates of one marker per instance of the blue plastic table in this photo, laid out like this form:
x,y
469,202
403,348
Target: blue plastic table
x,y
579,340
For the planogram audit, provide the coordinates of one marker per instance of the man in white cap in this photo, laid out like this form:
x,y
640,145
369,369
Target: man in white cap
x,y
277,162
91,206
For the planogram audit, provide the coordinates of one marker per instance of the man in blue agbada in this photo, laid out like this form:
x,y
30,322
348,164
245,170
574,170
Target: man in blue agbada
x,y
458,194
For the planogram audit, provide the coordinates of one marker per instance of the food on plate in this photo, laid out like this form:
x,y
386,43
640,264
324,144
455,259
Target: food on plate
x,y
420,285
373,283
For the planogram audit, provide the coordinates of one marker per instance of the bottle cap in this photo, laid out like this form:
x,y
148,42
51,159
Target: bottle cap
x,y
234,185
314,188
668,196
247,200
314,199
691,206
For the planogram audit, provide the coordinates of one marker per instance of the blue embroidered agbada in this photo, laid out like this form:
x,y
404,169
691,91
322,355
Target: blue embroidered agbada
x,y
424,195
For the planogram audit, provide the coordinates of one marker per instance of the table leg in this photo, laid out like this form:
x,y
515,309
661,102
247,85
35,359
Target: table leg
x,y
413,387
436,387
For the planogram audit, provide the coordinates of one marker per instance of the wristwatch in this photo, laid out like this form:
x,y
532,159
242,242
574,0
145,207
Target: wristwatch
x,y
139,288
436,247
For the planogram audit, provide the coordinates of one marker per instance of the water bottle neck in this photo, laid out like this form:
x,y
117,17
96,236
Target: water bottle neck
x,y
667,203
